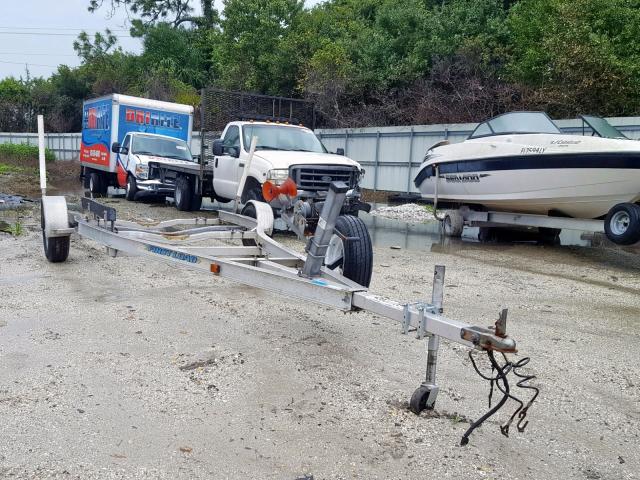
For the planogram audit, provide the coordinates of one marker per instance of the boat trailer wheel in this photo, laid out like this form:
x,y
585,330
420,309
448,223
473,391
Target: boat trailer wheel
x,y
423,398
622,224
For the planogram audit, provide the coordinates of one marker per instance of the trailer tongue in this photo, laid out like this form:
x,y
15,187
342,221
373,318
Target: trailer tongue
x,y
239,248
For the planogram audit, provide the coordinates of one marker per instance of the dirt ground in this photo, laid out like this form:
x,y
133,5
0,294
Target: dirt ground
x,y
126,368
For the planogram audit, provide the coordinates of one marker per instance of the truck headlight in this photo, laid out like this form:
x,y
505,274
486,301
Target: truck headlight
x,y
142,171
278,175
361,174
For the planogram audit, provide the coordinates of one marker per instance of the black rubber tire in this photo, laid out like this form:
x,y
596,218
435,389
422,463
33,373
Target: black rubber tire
x,y
253,191
453,224
183,194
357,260
632,233
418,401
56,249
249,211
97,185
132,188
196,203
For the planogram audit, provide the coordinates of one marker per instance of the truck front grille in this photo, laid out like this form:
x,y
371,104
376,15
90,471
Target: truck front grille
x,y
318,177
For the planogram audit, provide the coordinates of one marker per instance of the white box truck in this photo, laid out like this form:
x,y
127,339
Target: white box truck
x,y
121,134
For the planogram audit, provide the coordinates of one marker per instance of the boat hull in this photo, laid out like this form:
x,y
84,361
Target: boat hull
x,y
575,192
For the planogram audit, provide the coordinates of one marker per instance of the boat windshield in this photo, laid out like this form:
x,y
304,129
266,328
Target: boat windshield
x,y
601,127
516,122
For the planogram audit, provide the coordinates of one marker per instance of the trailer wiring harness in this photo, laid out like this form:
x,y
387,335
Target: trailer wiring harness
x,y
498,379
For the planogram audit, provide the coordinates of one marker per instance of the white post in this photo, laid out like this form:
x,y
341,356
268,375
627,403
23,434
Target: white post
x,y
43,167
245,172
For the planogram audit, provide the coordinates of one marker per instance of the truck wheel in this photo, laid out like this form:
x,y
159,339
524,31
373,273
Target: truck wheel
x,y
622,224
253,191
97,184
182,195
132,188
196,203
350,251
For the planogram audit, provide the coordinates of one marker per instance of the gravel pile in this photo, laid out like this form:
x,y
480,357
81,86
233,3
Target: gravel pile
x,y
409,212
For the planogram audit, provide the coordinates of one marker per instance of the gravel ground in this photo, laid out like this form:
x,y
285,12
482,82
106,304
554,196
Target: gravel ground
x,y
409,212
125,368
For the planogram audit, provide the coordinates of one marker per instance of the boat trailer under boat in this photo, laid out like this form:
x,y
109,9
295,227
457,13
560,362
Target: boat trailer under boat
x,y
520,169
239,248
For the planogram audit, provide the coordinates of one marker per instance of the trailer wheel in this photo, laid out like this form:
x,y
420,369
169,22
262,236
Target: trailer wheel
x,y
350,251
622,224
97,184
420,400
132,188
453,224
182,195
56,249
249,210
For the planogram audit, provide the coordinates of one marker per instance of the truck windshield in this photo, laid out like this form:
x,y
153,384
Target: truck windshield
x,y
281,137
161,147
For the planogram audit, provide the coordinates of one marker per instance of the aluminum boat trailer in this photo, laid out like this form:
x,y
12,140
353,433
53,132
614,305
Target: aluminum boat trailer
x,y
240,249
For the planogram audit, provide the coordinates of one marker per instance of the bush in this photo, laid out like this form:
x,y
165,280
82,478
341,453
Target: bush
x,y
23,151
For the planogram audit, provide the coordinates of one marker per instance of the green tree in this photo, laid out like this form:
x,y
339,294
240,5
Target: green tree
x,y
580,56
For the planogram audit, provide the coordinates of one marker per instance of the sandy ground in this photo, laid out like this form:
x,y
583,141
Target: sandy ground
x,y
124,368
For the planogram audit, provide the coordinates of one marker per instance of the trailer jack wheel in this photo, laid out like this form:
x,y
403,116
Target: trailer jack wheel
x,y
424,398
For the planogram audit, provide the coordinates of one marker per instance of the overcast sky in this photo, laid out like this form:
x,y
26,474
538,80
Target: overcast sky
x,y
40,33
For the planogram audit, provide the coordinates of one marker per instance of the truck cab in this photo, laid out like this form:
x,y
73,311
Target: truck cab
x,y
134,154
282,151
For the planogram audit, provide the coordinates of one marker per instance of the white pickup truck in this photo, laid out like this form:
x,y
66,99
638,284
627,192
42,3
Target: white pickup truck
x,y
282,151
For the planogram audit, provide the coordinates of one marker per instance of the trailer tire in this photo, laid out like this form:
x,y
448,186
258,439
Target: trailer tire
x,y
97,185
56,249
183,194
453,224
132,188
622,224
350,250
249,210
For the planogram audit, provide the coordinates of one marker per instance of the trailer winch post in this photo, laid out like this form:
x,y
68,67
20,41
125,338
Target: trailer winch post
x,y
317,246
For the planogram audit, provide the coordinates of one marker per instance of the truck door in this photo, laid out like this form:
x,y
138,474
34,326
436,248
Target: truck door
x,y
122,162
225,167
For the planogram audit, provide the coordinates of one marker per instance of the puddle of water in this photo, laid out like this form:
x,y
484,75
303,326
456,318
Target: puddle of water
x,y
386,232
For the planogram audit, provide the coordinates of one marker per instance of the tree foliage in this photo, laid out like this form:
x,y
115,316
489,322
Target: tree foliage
x,y
363,62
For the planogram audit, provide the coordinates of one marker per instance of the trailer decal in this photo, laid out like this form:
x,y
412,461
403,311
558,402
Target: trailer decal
x,y
185,257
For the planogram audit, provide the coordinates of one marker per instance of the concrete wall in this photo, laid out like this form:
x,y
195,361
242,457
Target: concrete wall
x,y
390,155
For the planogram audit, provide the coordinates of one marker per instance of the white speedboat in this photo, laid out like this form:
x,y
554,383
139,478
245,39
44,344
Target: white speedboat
x,y
522,162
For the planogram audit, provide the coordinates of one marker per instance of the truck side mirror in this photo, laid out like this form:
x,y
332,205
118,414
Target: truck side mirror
x,y
339,151
115,147
217,148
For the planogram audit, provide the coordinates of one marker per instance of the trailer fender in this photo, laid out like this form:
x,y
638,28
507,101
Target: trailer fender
x,y
264,216
55,221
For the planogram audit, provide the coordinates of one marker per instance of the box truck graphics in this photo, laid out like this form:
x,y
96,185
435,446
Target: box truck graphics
x,y
96,133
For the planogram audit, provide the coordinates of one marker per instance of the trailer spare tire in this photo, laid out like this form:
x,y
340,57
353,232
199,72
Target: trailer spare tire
x,y
350,251
622,224
453,224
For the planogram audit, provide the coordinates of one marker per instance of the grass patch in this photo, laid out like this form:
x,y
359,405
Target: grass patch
x,y
23,151
16,229
7,169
